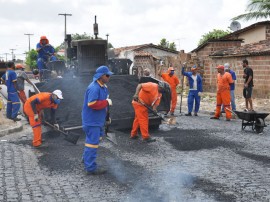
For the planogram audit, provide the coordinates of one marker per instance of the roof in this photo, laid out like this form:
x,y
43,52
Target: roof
x,y
253,26
141,47
229,36
258,48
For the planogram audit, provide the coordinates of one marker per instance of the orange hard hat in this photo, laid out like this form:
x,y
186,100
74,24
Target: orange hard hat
x,y
19,66
170,69
44,38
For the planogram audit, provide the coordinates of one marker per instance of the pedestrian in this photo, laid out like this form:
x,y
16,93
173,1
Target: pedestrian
x,y
94,112
13,102
46,53
21,77
146,94
146,76
224,80
33,108
248,85
195,90
232,87
174,82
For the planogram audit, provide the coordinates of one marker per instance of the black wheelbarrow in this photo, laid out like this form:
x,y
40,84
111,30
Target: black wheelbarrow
x,y
252,118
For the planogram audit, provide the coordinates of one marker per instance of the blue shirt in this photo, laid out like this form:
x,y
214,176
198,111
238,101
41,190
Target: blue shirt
x,y
191,81
43,53
232,86
92,117
10,77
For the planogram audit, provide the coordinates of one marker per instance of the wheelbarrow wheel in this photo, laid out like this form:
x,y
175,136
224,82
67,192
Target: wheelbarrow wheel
x,y
259,125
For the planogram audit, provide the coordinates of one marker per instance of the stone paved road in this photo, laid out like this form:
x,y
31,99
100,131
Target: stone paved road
x,y
195,160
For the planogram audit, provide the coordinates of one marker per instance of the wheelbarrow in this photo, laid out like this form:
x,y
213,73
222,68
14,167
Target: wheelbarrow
x,y
251,118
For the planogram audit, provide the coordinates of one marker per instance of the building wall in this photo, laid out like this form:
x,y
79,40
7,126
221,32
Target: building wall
x,y
254,35
142,62
158,52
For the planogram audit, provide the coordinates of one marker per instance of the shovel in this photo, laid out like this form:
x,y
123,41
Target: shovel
x,y
109,135
70,137
151,110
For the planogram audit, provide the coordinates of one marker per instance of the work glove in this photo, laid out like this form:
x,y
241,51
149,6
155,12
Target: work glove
x,y
109,121
200,94
109,101
36,117
56,125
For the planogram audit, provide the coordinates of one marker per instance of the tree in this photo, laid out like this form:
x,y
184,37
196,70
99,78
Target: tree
x,y
31,59
215,34
166,44
256,9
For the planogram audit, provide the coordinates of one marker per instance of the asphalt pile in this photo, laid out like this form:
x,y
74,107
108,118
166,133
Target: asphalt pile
x,y
121,89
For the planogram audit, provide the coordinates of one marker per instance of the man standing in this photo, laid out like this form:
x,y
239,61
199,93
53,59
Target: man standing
x,y
146,94
248,85
195,90
94,112
33,108
45,54
21,77
232,86
173,81
13,102
224,80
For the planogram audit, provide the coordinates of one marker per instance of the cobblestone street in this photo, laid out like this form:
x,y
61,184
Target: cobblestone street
x,y
197,159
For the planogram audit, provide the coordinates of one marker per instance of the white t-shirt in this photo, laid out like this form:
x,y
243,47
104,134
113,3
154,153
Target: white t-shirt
x,y
195,82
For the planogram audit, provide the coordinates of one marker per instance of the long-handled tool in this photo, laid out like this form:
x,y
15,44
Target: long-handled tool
x,y
150,109
182,89
109,135
70,137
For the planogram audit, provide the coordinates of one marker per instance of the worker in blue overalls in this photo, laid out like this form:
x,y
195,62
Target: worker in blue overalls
x,y
13,102
195,90
94,112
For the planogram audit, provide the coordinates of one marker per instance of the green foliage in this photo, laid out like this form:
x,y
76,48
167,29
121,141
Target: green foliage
x,y
31,59
215,34
256,9
166,44
81,36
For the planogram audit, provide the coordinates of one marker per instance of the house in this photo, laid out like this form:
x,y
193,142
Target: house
x,y
251,43
144,56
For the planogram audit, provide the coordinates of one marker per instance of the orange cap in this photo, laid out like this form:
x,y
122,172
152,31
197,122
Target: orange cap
x,y
19,66
220,67
44,38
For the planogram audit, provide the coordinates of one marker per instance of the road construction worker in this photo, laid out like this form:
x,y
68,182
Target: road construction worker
x,y
195,90
33,108
13,102
146,94
224,80
94,113
21,77
46,53
173,81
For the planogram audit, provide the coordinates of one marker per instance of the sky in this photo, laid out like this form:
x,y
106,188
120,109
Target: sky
x,y
128,22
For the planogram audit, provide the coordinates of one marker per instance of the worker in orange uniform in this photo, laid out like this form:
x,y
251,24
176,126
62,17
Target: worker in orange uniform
x,y
173,81
224,80
33,108
149,94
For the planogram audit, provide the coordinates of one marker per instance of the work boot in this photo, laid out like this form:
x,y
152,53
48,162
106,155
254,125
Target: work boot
x,y
42,146
134,137
16,119
228,119
214,117
98,171
188,114
149,140
195,114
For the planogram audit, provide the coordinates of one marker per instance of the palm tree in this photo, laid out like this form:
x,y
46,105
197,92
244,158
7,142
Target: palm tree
x,y
256,9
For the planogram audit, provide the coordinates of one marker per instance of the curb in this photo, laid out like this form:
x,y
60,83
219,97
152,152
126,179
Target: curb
x,y
17,128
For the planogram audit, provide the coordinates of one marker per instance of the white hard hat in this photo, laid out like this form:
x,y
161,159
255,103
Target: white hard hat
x,y
58,93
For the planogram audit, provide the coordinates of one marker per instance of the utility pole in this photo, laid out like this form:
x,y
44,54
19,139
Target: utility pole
x,y
29,48
6,56
12,55
107,35
65,14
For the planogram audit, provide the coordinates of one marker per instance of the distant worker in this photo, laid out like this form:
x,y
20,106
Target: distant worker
x,y
21,77
248,85
13,102
224,80
94,113
33,108
195,90
46,53
146,76
173,81
146,94
232,86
